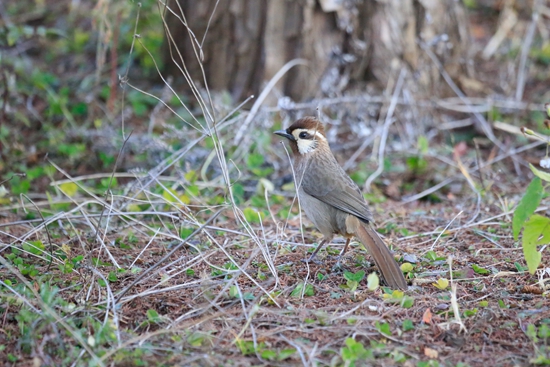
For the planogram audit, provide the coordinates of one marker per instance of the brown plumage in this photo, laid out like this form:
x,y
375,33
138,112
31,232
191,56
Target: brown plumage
x,y
330,198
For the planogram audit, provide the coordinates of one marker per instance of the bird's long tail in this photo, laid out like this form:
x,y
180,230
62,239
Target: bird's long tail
x,y
383,258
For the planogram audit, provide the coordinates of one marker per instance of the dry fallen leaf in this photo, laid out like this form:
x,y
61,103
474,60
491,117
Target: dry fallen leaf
x,y
533,289
430,353
427,317
460,149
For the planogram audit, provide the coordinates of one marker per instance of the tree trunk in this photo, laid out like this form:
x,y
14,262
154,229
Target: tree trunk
x,y
345,43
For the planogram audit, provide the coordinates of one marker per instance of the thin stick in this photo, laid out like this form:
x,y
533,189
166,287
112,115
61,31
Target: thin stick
x,y
149,270
457,176
525,48
445,229
254,110
385,132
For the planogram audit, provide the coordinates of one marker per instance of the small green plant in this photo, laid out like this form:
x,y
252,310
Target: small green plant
x,y
234,293
408,325
536,228
227,266
469,313
431,256
383,328
479,270
247,347
353,280
354,351
308,291
407,268
540,336
153,318
430,363
397,297
418,164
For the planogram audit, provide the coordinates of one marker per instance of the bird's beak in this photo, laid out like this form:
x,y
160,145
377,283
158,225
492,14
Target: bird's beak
x,y
284,134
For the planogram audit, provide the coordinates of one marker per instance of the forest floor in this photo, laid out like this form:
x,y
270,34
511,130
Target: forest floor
x,y
229,297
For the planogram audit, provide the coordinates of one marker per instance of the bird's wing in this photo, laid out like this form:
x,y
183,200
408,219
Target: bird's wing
x,y
328,182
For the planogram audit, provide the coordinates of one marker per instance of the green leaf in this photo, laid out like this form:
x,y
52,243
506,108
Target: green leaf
x,y
357,277
441,284
195,339
251,215
351,286
408,325
268,354
285,353
185,232
520,268
34,247
479,269
170,195
297,292
373,282
535,233
383,327
191,176
353,351
153,315
407,302
112,276
532,332
423,144
432,256
543,175
407,267
194,190
255,160
527,206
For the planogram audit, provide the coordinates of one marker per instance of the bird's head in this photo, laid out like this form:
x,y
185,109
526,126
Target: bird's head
x,y
306,135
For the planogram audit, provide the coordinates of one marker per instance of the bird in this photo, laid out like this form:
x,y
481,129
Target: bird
x,y
332,200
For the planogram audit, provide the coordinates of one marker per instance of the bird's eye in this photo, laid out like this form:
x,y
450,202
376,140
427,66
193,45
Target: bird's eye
x,y
303,135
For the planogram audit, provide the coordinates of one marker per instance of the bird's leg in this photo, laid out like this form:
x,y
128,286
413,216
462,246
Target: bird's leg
x,y
321,244
348,240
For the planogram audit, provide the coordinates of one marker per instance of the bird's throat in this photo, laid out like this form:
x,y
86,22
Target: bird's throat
x,y
307,146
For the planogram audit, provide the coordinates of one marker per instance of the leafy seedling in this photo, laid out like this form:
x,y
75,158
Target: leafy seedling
x,y
234,293
397,297
354,351
297,292
479,270
431,256
353,280
408,325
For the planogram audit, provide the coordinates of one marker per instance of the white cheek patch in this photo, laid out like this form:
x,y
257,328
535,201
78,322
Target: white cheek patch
x,y
307,145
